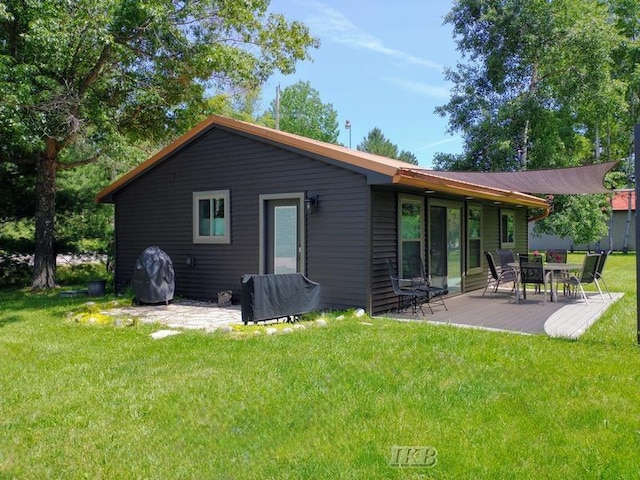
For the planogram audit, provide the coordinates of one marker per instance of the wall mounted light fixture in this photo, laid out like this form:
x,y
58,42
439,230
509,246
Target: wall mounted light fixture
x,y
311,203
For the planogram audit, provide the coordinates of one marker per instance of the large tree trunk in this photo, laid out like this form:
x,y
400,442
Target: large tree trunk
x,y
45,260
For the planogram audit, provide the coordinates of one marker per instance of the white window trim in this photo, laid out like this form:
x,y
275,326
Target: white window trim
x,y
478,269
208,195
512,214
417,200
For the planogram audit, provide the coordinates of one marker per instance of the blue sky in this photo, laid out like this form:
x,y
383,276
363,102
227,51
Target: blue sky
x,y
380,64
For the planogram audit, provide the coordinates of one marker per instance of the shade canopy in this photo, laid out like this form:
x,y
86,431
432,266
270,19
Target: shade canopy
x,y
575,180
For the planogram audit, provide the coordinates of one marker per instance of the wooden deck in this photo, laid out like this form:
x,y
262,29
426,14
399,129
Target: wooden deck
x,y
568,317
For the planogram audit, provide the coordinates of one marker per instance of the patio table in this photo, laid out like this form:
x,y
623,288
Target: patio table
x,y
551,268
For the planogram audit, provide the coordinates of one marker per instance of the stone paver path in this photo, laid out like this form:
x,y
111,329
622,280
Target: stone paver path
x,y
188,314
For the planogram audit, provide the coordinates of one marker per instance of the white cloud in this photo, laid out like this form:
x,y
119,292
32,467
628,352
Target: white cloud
x,y
438,92
444,141
332,24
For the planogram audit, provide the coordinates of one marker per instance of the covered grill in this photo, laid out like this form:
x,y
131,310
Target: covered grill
x,y
153,277
265,297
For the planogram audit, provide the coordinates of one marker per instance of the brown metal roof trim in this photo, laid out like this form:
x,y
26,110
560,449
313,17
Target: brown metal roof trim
x,y
431,180
576,180
396,170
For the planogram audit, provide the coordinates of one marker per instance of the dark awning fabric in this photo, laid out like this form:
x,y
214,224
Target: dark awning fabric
x,y
575,180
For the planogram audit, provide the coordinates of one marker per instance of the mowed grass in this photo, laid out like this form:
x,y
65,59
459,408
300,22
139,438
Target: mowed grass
x,y
80,401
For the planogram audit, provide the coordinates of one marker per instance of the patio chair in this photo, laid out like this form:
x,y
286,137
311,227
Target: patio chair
x,y
505,257
436,287
495,276
532,272
416,290
558,256
585,276
598,277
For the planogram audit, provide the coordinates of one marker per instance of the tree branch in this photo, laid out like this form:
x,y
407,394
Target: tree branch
x,y
77,163
95,71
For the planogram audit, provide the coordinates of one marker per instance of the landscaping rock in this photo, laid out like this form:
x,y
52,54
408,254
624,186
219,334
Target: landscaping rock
x,y
164,334
271,331
359,313
287,330
321,322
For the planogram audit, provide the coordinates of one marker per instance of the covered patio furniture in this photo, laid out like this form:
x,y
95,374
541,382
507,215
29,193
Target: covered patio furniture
x,y
273,296
532,272
585,276
417,289
498,275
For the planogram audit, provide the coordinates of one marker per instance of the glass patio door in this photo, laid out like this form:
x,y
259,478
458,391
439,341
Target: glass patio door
x,y
445,242
282,242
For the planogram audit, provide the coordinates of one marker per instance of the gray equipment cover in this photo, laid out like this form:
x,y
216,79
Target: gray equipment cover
x,y
270,296
153,277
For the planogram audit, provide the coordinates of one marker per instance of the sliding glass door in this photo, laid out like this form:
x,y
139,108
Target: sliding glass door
x,y
445,242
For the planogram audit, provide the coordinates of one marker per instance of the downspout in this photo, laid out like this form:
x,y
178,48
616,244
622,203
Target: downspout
x,y
546,212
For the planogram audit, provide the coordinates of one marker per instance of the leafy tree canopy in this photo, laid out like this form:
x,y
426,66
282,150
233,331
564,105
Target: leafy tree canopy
x,y
78,76
301,111
543,85
539,88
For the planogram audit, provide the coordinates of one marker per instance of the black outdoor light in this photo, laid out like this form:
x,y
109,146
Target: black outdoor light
x,y
311,203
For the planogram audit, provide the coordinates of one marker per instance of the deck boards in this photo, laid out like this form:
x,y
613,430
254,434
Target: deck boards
x,y
568,317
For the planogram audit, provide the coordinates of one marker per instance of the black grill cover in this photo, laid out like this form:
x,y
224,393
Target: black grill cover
x,y
271,296
153,277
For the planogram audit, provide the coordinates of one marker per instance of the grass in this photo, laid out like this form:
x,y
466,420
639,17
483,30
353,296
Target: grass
x,y
81,401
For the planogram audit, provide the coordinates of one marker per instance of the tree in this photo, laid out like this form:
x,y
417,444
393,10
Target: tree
x,y
407,156
376,142
538,88
581,218
76,75
302,112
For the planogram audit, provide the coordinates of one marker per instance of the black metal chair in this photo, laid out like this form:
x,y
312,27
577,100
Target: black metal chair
x,y
532,272
598,276
585,276
505,257
495,277
417,289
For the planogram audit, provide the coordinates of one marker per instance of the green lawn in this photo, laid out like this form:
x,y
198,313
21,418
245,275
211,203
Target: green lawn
x,y
80,401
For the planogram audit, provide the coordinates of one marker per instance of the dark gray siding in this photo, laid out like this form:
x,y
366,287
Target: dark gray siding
x,y
384,245
156,209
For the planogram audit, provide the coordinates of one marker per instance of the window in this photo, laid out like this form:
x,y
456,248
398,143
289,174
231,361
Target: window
x,y
211,217
411,221
474,239
507,229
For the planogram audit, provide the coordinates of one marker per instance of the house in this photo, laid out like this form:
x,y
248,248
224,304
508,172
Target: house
x,y
621,236
230,198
